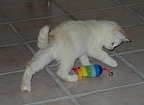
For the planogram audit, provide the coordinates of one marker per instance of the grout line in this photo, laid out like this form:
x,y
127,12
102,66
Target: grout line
x,y
38,18
12,72
61,85
49,101
31,49
9,45
129,52
87,93
133,25
129,65
134,4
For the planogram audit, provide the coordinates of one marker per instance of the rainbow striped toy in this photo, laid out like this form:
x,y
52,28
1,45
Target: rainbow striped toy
x,y
92,70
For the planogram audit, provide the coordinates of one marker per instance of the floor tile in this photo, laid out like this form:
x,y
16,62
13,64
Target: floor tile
x,y
136,35
29,10
136,59
30,29
138,9
130,1
126,96
10,2
8,36
120,15
14,58
122,75
71,6
43,88
2,20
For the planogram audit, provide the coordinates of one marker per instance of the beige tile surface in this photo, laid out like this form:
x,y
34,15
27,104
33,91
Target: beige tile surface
x,y
14,58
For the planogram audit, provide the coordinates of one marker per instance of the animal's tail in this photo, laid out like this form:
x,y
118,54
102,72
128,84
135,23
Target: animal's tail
x,y
43,37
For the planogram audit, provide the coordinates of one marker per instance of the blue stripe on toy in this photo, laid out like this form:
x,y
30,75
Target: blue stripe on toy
x,y
98,70
93,70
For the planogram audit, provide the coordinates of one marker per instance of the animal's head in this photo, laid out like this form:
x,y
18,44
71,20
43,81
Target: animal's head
x,y
115,36
76,69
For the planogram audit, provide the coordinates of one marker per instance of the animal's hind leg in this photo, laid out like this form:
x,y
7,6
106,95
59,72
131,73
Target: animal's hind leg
x,y
41,59
63,72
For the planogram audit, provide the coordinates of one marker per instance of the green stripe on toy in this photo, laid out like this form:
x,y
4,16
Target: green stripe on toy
x,y
89,71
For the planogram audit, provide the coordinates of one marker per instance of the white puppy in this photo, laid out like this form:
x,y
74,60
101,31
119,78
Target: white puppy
x,y
71,40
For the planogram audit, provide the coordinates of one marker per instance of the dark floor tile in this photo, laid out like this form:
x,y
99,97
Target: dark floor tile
x,y
7,36
136,35
122,75
138,9
136,59
30,10
120,15
30,29
14,58
43,88
130,1
126,96
10,2
71,6
2,20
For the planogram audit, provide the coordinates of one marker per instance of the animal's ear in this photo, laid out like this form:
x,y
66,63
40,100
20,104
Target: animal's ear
x,y
121,35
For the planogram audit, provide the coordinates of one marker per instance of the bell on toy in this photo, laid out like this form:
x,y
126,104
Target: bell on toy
x,y
92,70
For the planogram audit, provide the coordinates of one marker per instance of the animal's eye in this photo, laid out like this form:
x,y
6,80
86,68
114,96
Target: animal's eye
x,y
113,44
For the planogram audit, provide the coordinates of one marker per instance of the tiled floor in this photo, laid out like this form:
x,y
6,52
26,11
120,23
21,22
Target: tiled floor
x,y
20,21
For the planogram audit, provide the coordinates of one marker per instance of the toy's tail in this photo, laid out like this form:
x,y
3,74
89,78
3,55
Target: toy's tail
x,y
110,73
43,37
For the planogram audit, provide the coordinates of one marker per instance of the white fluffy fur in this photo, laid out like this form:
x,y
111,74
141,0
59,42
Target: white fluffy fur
x,y
71,40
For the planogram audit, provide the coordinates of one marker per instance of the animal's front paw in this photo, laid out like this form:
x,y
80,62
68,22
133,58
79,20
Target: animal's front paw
x,y
113,63
70,78
25,87
74,78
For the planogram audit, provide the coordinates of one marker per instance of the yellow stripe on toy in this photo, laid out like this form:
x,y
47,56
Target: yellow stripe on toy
x,y
92,70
